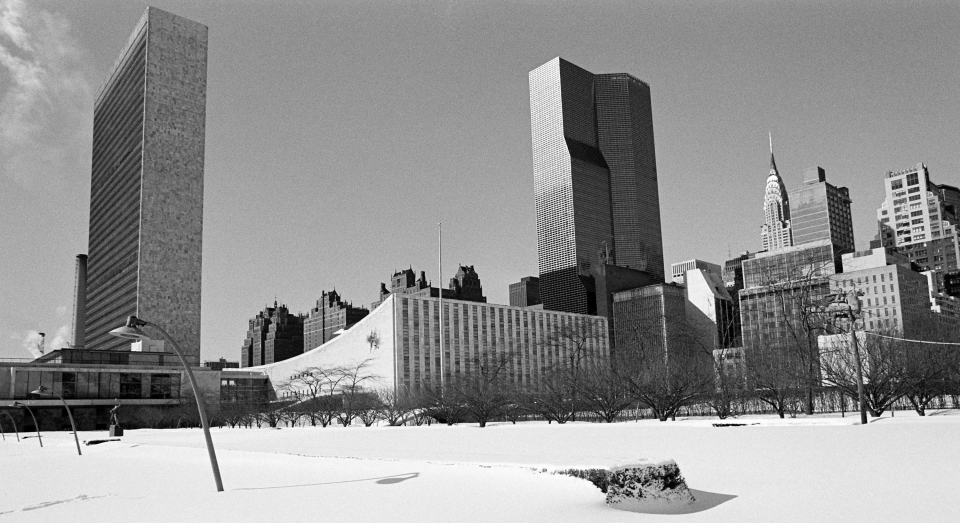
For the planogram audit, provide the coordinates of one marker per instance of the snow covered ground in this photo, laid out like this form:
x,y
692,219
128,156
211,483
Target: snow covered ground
x,y
808,469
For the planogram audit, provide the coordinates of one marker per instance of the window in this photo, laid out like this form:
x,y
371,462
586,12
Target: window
x,y
915,197
130,386
896,184
913,190
913,179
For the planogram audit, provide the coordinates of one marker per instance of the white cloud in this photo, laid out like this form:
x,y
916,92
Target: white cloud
x,y
60,339
32,343
61,311
45,99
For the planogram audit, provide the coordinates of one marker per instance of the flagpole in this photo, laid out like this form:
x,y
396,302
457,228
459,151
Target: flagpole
x,y
440,292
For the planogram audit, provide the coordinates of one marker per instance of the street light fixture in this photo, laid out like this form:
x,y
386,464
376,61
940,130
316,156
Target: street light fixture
x,y
14,426
43,391
132,331
849,303
18,405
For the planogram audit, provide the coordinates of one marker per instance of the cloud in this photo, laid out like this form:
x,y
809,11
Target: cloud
x,y
61,339
31,341
45,98
61,311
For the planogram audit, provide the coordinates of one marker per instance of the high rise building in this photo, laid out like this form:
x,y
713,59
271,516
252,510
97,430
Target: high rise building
x,y
821,211
595,180
329,316
526,292
920,219
274,334
146,194
464,286
775,232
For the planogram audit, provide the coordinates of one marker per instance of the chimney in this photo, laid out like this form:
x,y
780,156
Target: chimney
x,y
80,302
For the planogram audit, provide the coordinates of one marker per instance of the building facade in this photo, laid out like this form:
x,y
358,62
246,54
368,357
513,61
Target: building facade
x,y
274,334
775,233
920,219
595,181
331,315
821,211
465,286
399,343
526,292
146,195
679,270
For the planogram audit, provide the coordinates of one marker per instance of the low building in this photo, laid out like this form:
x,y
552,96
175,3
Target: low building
x,y
221,364
93,381
399,343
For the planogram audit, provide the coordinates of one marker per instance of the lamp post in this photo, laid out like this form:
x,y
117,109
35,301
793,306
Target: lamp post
x,y
14,426
19,405
132,331
43,391
849,304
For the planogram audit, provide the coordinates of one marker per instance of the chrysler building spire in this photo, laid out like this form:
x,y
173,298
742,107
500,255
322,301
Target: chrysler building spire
x,y
775,232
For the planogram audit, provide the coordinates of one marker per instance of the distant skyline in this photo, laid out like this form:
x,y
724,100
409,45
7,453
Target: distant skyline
x,y
339,134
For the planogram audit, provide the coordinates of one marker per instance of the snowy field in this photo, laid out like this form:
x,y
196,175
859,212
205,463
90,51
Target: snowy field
x,y
904,468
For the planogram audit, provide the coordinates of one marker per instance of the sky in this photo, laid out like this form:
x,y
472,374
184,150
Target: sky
x,y
339,134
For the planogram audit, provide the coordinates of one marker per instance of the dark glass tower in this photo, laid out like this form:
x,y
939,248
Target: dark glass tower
x,y
595,179
146,194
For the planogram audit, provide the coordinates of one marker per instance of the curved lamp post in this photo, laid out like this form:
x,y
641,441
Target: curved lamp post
x,y
43,391
14,425
132,331
17,404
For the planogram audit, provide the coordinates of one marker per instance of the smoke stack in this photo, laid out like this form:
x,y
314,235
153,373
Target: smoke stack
x,y
42,339
80,302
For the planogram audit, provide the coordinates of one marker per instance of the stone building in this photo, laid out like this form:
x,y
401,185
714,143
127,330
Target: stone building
x,y
465,286
146,191
330,316
274,334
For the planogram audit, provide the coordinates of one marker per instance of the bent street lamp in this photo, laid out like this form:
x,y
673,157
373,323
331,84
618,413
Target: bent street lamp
x,y
132,331
18,405
14,426
43,391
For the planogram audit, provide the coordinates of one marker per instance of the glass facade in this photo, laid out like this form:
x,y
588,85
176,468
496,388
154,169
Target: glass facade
x,y
820,211
595,180
96,384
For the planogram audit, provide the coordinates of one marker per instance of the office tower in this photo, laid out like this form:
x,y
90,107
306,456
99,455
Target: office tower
x,y
525,292
775,232
330,316
146,195
679,270
919,218
821,211
595,180
273,335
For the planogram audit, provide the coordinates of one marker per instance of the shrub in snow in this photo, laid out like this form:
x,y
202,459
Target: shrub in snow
x,y
643,484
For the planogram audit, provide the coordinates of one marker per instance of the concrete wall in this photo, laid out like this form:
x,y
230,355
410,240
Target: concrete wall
x,y
348,349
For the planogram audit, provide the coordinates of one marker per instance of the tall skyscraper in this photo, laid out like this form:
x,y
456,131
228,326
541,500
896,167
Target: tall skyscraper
x,y
920,219
146,195
775,232
595,180
821,211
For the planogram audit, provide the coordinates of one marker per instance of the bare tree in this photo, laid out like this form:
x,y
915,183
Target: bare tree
x,y
482,390
883,370
604,390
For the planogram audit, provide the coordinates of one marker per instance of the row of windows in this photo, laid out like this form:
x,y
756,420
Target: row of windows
x,y
97,385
